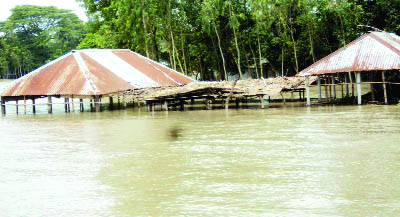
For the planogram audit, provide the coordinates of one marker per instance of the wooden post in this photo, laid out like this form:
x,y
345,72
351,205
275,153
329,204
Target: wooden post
x,y
371,79
333,87
384,87
358,81
3,105
262,100
33,106
292,95
308,90
25,105
319,89
111,105
49,105
300,95
16,106
81,108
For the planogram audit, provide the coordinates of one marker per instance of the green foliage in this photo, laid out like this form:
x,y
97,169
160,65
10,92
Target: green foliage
x,y
34,35
205,38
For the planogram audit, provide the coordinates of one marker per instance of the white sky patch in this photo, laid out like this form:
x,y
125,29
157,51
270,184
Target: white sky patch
x,y
7,5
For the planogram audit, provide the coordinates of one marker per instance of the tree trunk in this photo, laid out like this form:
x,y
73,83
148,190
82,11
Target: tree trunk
x,y
220,50
260,56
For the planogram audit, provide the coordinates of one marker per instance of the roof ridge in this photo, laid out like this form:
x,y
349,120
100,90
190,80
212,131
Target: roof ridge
x,y
85,71
334,53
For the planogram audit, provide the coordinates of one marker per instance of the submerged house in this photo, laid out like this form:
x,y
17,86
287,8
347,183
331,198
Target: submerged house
x,y
91,74
373,52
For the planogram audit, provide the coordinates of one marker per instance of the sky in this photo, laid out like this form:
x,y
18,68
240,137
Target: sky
x,y
7,5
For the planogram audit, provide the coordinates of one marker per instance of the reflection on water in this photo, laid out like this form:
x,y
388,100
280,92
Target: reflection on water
x,y
288,161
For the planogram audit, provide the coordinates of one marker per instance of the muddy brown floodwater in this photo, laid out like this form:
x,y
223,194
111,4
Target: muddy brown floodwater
x,y
283,161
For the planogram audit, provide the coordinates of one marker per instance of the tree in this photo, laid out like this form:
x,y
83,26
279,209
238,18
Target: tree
x,y
35,35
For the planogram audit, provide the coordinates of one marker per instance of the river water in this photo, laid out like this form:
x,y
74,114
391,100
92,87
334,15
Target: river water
x,y
280,161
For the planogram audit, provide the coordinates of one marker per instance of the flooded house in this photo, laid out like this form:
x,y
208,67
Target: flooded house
x,y
90,74
368,60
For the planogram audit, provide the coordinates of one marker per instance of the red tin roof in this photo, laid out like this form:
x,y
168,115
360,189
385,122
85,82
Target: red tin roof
x,y
95,72
371,51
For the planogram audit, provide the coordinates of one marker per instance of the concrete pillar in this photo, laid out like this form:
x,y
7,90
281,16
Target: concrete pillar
x,y
358,81
33,106
262,101
3,105
124,100
166,105
208,104
384,87
25,105
49,105
65,105
182,104
119,102
308,91
111,105
81,108
237,101
91,105
72,104
346,80
97,104
333,87
319,89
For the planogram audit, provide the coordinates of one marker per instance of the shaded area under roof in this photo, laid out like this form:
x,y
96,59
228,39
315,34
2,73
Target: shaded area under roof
x,y
371,51
95,72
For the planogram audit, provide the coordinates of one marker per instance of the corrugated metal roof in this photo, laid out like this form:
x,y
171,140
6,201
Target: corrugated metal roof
x,y
95,72
371,51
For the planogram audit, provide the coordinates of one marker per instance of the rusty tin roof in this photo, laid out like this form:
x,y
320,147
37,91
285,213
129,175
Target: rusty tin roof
x,y
95,72
371,51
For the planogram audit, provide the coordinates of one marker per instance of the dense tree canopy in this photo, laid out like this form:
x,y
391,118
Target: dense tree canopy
x,y
34,35
206,39
210,39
